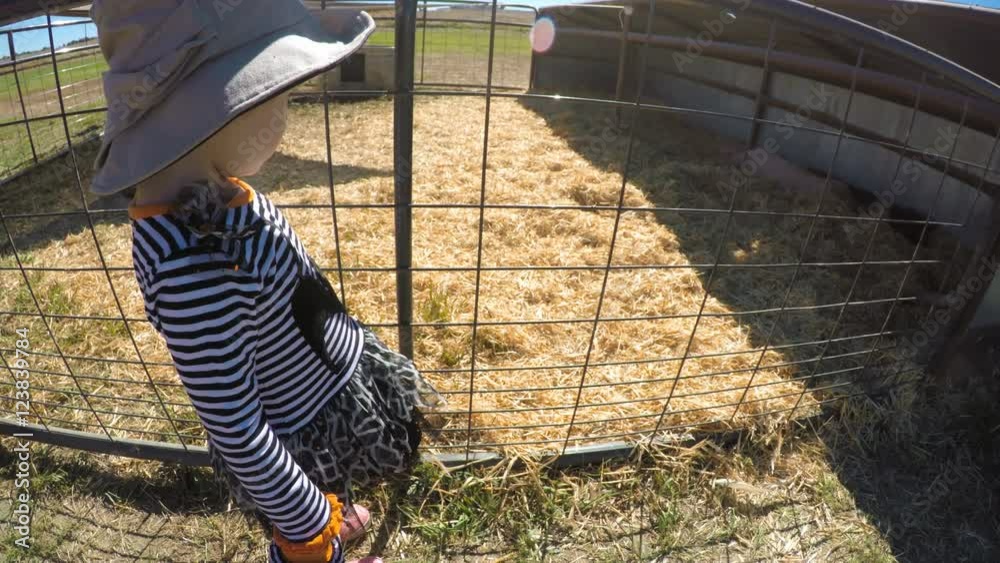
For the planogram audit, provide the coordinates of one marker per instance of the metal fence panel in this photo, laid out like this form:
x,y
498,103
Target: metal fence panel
x,y
637,221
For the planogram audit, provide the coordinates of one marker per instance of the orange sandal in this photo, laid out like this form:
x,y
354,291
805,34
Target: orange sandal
x,y
320,548
349,524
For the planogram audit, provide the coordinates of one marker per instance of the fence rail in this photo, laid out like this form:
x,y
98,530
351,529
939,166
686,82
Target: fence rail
x,y
598,236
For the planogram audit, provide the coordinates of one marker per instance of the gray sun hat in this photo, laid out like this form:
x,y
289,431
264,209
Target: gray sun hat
x,y
180,70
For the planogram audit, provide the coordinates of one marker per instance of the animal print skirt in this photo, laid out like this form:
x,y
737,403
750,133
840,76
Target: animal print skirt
x,y
368,432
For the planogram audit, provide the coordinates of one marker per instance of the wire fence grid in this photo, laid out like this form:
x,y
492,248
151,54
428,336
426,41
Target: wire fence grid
x,y
640,220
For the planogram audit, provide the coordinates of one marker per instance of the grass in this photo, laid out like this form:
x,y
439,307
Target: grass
x,y
502,513
832,493
449,53
49,137
441,38
755,496
37,76
462,39
527,384
437,308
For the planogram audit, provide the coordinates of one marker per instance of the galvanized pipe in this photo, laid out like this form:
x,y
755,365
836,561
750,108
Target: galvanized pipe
x,y
626,16
402,134
798,13
423,44
982,114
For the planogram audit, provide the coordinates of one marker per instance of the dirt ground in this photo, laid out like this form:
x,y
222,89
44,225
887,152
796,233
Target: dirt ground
x,y
78,95
907,477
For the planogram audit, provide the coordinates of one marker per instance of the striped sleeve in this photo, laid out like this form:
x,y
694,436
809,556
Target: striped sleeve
x,y
206,313
142,267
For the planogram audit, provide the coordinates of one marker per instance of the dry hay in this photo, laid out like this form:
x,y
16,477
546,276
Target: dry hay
x,y
555,154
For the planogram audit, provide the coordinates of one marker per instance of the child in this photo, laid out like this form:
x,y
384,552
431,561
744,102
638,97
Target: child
x,y
300,401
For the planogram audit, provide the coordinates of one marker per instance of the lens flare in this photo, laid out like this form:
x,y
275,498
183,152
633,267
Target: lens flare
x,y
542,35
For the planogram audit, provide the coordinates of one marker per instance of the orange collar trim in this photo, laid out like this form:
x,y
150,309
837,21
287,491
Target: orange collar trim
x,y
147,211
245,196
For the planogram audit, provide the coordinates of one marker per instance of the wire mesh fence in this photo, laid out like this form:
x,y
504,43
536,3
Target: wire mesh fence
x,y
31,103
638,220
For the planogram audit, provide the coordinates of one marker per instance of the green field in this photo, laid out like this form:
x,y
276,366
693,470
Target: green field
x,y
48,136
458,39
450,39
38,75
447,41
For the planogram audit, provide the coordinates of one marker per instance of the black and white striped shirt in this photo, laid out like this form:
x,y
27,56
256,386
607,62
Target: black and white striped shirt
x,y
258,338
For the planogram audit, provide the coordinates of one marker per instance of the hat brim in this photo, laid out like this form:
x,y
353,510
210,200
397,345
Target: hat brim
x,y
224,88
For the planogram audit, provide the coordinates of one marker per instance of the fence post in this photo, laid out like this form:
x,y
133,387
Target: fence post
x,y
626,15
20,95
402,134
531,64
423,43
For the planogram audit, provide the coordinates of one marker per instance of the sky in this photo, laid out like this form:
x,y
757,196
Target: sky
x,y
34,40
